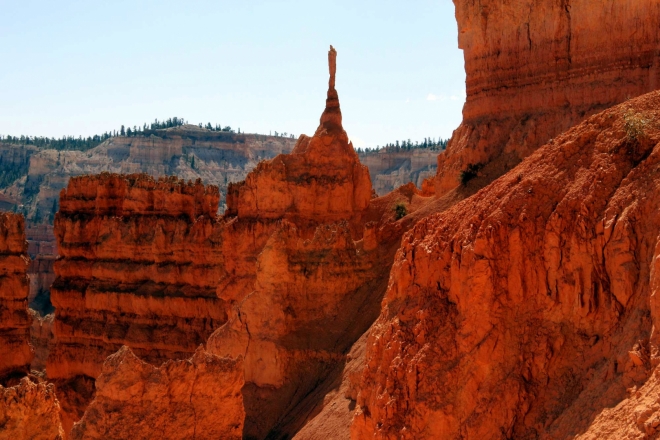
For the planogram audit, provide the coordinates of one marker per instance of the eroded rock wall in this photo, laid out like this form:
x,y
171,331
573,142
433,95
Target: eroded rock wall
x,y
536,68
139,267
15,320
527,309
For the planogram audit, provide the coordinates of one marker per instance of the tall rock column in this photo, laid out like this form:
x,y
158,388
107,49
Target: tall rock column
x,y
536,68
15,321
314,281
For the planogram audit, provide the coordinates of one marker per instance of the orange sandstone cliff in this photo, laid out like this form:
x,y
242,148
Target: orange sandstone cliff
x,y
536,68
139,264
528,309
15,321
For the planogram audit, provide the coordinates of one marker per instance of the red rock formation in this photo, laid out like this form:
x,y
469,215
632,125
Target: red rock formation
x,y
140,260
196,398
313,286
15,351
30,411
536,68
525,310
321,181
41,339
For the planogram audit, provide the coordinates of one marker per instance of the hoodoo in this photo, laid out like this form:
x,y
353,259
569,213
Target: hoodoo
x,y
15,321
139,264
321,181
313,278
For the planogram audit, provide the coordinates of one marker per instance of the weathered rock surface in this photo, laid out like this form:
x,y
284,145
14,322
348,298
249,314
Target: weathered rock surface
x,y
140,260
15,351
195,398
391,169
321,181
536,68
314,283
527,309
139,267
30,411
41,339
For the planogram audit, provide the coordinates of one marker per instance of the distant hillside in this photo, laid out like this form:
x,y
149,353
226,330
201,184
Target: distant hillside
x,y
33,171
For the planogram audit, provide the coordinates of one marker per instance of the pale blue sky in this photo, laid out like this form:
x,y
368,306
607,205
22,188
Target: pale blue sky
x,y
84,67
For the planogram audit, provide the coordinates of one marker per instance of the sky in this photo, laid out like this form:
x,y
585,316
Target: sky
x,y
86,67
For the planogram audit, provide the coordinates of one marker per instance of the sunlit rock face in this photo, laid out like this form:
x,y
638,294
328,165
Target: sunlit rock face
x,y
15,321
30,410
530,309
536,68
140,260
197,398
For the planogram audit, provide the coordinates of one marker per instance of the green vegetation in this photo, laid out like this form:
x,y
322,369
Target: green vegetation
x,y
635,125
83,144
470,173
407,145
9,172
400,210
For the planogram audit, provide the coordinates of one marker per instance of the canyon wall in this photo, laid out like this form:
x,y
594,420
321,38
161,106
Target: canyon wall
x,y
392,169
35,176
15,351
528,309
140,259
535,69
139,265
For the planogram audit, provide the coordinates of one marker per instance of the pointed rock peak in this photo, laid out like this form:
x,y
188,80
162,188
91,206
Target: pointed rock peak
x,y
331,117
332,65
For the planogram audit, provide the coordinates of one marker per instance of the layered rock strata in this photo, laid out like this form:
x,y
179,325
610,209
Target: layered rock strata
x,y
195,398
527,309
321,181
30,411
139,266
534,69
140,260
309,267
15,320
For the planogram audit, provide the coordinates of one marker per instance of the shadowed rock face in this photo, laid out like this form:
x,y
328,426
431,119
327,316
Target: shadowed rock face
x,y
195,398
536,68
526,309
15,320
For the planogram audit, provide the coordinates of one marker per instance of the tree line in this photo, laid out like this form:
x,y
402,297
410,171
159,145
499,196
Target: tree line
x,y
87,143
407,145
